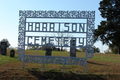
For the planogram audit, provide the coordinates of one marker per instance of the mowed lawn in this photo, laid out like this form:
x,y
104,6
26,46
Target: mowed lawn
x,y
100,67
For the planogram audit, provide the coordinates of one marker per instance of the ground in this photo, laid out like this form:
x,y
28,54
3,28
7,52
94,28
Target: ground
x,y
100,67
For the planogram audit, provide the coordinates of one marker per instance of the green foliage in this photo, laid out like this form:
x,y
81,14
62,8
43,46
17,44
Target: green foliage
x,y
108,31
96,50
108,51
43,47
5,40
7,59
83,49
32,47
114,49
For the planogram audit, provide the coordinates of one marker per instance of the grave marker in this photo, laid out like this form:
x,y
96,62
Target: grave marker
x,y
3,48
73,49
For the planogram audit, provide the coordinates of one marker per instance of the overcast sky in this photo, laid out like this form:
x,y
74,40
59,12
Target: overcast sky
x,y
9,14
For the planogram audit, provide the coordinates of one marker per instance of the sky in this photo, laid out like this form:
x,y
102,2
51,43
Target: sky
x,y
9,14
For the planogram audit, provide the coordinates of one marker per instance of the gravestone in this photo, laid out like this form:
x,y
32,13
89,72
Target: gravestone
x,y
73,49
3,48
48,52
12,53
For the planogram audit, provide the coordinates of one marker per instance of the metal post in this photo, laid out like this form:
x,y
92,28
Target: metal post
x,y
43,63
64,64
24,44
23,61
86,48
86,65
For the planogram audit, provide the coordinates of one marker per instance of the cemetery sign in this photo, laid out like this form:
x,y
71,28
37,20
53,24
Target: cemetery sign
x,y
55,27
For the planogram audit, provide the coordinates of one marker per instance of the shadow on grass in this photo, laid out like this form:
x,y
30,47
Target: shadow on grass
x,y
94,63
58,75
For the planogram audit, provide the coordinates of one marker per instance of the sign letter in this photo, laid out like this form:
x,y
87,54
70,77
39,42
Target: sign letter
x,y
44,27
37,26
43,40
35,41
52,27
28,40
81,42
81,28
30,25
65,42
66,26
74,24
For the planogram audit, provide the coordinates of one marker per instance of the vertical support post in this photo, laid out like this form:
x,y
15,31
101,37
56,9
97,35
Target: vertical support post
x,y
86,65
86,48
43,63
23,60
64,64
24,43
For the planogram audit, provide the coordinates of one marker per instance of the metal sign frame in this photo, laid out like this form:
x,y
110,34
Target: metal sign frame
x,y
89,15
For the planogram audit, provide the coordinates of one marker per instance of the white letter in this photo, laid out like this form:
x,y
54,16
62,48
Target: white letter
x,y
81,43
30,25
75,27
50,41
44,28
35,41
65,42
28,40
43,40
81,28
37,27
66,26
51,26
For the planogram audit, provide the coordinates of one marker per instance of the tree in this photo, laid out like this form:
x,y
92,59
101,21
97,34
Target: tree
x,y
61,39
96,50
83,49
5,40
32,47
113,49
108,31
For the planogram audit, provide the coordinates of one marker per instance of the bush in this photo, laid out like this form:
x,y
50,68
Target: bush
x,y
107,51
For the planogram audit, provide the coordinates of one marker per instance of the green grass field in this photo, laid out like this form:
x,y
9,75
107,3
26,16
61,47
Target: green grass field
x,y
100,67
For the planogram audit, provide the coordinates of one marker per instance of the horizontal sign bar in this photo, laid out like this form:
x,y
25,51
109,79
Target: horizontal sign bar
x,y
56,27
55,60
55,37
55,41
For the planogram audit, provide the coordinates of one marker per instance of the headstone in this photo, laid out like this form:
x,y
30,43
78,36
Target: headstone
x,y
12,53
48,52
73,49
3,48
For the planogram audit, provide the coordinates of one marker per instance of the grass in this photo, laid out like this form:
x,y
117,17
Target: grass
x,y
107,57
7,59
54,53
99,57
100,67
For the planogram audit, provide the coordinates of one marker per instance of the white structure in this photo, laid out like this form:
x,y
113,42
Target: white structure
x,y
54,27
